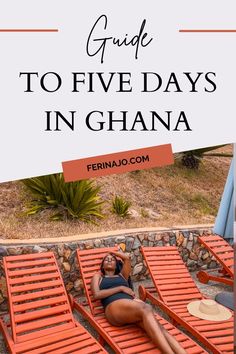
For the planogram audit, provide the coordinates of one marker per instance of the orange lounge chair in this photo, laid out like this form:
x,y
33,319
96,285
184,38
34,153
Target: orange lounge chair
x,y
224,254
126,339
41,319
176,289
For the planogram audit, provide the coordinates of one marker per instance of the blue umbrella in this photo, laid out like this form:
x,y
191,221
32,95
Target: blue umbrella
x,y
225,218
224,226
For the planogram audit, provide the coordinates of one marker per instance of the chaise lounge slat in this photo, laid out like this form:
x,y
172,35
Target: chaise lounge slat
x,y
224,255
41,319
207,332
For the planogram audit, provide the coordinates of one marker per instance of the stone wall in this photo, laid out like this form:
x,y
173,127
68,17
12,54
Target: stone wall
x,y
186,240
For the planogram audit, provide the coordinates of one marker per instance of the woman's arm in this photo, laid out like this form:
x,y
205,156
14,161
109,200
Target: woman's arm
x,y
101,294
126,269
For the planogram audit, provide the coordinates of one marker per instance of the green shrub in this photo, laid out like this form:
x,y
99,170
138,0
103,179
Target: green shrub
x,y
203,205
78,199
144,213
120,206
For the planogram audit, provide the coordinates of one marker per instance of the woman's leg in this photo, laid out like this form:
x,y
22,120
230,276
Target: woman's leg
x,y
173,343
128,311
176,347
147,321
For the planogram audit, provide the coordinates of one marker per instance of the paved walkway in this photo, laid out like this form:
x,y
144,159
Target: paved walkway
x,y
210,290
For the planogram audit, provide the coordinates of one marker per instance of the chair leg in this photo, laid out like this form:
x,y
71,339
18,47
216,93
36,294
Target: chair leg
x,y
101,340
71,299
142,293
203,277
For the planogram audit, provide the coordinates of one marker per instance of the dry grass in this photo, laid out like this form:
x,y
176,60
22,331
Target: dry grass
x,y
177,195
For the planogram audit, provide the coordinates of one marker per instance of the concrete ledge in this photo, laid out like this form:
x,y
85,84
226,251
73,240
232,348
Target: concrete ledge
x,y
100,235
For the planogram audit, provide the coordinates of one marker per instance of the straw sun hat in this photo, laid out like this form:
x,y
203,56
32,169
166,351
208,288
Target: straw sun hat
x,y
208,309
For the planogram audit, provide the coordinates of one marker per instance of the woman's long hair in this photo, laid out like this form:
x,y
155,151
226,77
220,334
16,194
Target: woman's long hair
x,y
119,265
118,268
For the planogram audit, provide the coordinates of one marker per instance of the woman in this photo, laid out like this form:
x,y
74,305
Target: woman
x,y
112,288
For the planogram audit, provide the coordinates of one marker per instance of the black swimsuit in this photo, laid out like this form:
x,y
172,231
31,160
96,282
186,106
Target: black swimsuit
x,y
113,282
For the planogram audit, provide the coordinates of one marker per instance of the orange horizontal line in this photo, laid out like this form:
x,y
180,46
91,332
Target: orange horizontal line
x,y
28,30
209,30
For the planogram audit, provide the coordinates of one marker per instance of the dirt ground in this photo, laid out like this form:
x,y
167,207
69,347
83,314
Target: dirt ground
x,y
161,197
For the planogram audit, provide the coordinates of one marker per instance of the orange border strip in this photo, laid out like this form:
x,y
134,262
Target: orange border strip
x,y
28,30
208,30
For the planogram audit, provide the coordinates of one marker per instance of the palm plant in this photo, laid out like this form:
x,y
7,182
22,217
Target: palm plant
x,y
79,200
192,158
